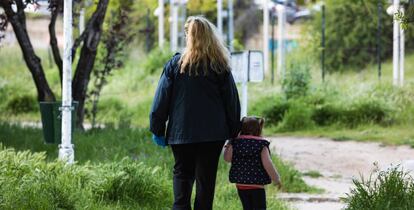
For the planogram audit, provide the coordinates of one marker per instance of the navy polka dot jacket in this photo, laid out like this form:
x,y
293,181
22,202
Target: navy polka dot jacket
x,y
246,163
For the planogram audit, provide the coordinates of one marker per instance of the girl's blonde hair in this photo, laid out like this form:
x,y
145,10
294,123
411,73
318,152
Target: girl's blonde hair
x,y
205,48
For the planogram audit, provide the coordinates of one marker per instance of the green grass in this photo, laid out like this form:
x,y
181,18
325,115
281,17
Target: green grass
x,y
128,96
27,181
111,146
389,189
346,88
313,174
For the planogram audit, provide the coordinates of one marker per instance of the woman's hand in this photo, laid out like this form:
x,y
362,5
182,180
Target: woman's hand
x,y
159,140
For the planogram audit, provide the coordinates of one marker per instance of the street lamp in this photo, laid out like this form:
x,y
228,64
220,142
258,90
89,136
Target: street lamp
x,y
66,152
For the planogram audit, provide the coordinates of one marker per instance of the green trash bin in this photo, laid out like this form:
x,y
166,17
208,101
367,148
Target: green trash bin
x,y
52,120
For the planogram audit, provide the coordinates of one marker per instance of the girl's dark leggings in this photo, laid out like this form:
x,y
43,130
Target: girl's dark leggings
x,y
254,199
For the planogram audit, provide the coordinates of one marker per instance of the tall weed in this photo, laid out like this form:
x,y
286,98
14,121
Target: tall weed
x,y
390,189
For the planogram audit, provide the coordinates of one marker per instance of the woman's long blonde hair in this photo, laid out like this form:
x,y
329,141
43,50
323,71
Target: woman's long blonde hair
x,y
205,48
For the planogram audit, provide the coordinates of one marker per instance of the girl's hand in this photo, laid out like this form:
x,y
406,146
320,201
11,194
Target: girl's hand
x,y
159,140
278,184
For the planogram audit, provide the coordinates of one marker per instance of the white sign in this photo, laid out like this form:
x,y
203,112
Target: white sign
x,y
256,67
247,66
238,66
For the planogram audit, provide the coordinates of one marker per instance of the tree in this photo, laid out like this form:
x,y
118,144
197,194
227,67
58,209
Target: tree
x,y
17,19
352,34
407,17
88,42
111,53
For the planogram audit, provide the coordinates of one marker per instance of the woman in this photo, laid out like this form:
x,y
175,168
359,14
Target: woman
x,y
197,95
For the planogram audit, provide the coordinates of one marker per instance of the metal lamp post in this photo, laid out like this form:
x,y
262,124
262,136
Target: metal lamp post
x,y
266,34
160,14
66,152
281,21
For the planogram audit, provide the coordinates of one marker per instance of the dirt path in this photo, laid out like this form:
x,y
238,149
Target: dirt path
x,y
337,162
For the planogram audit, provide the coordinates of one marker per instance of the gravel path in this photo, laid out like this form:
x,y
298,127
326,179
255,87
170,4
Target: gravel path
x,y
338,162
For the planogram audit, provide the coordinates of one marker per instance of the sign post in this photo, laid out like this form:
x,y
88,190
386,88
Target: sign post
x,y
160,23
247,66
230,24
220,16
66,152
402,53
398,45
174,25
281,21
266,34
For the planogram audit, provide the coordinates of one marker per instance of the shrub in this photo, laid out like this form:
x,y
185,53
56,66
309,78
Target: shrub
x,y
22,104
272,109
297,81
297,117
390,189
366,110
326,114
156,60
27,181
110,110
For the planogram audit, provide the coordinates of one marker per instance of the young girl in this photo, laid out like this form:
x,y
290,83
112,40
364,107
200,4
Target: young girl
x,y
251,165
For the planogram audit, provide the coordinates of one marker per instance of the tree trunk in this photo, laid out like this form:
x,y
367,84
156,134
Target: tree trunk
x,y
87,58
17,19
55,9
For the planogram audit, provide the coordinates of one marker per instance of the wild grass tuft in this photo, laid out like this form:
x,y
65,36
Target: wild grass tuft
x,y
390,189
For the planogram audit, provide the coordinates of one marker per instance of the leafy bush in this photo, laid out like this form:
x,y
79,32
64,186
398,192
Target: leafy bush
x,y
351,33
156,60
326,114
297,81
321,110
366,111
390,189
272,109
297,117
27,181
22,104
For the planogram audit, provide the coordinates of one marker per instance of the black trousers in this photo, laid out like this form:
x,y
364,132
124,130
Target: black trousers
x,y
195,162
254,199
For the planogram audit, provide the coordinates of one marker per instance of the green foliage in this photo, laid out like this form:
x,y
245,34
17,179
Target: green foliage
x,y
351,33
297,117
366,111
207,8
272,109
407,17
292,179
390,189
156,60
237,45
22,104
297,80
113,179
326,114
313,174
324,107
27,181
363,111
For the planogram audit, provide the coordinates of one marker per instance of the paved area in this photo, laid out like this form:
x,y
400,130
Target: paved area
x,y
338,163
